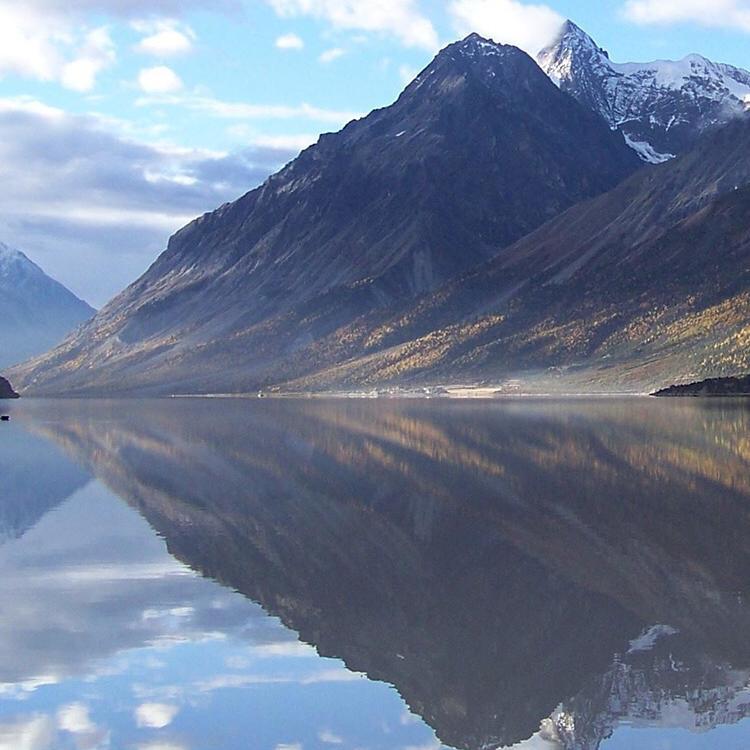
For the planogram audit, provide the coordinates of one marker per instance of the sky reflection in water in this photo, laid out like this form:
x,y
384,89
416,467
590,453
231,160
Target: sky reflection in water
x,y
540,574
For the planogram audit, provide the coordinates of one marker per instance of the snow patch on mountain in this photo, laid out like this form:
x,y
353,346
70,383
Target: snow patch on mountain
x,y
646,151
648,639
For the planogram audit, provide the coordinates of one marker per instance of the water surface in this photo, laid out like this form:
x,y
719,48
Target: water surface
x,y
274,575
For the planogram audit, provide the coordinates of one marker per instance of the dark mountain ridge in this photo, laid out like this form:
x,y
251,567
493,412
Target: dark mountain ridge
x,y
479,150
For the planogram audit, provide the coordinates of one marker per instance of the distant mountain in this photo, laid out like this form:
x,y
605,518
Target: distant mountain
x,y
36,312
479,150
661,107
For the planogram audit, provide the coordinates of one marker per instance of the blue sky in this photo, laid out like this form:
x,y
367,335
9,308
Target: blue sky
x,y
122,119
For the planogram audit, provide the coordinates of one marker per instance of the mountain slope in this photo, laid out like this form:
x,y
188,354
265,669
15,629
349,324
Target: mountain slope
x,y
479,150
36,312
641,287
661,107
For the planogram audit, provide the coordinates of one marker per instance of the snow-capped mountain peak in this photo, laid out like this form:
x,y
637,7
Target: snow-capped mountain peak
x,y
572,48
661,107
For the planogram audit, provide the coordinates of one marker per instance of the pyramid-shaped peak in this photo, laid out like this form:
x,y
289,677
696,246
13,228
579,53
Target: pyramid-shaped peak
x,y
571,28
572,36
476,38
476,48
478,55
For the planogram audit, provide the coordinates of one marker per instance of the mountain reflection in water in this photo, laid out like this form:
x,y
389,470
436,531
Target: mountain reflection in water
x,y
545,574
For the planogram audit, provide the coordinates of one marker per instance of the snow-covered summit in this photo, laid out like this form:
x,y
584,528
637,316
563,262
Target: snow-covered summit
x,y
661,107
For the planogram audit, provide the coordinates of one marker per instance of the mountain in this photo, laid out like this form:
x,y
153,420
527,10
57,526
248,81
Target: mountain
x,y
661,107
36,312
479,150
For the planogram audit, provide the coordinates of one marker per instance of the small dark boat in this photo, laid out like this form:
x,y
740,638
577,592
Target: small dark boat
x,y
4,418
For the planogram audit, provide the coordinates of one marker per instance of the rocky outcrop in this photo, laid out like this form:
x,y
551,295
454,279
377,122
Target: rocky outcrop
x,y
6,390
712,387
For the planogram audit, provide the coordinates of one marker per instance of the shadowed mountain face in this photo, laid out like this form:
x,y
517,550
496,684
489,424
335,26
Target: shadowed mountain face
x,y
479,150
570,566
639,288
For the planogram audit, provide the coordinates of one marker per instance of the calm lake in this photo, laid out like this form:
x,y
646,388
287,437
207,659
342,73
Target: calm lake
x,y
375,575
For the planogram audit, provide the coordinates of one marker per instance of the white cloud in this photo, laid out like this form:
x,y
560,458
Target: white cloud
x,y
329,738
733,14
407,73
246,111
285,142
155,715
295,649
159,80
35,733
97,54
74,184
234,681
28,46
528,26
74,718
164,38
332,54
290,41
398,18
126,8
48,47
